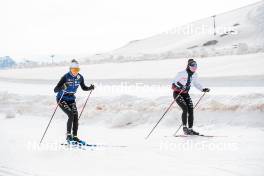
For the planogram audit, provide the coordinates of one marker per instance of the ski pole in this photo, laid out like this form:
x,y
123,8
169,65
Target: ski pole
x,y
51,118
164,114
193,108
85,104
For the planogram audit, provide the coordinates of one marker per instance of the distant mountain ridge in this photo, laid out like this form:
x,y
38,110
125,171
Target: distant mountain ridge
x,y
7,62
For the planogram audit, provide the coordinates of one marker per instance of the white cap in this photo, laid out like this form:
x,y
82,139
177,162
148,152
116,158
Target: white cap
x,y
74,64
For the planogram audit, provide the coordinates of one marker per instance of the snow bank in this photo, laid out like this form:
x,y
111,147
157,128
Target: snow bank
x,y
129,110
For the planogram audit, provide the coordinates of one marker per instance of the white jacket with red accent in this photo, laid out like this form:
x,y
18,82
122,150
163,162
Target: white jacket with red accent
x,y
182,78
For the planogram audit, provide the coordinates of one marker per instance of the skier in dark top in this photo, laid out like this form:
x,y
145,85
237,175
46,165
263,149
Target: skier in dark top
x,y
65,89
181,85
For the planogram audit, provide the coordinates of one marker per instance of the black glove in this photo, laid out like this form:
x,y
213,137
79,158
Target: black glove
x,y
64,86
206,90
91,87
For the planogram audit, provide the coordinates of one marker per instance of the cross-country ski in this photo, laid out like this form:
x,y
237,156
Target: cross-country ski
x,y
198,135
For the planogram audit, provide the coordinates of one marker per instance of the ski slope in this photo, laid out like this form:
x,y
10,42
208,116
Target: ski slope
x,y
128,100
239,31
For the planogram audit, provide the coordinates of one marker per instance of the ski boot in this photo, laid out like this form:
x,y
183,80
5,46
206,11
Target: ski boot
x,y
69,137
78,141
185,130
192,132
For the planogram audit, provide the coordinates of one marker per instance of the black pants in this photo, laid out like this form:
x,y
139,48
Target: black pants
x,y
185,102
69,107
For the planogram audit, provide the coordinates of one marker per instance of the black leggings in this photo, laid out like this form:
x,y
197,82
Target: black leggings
x,y
185,102
71,110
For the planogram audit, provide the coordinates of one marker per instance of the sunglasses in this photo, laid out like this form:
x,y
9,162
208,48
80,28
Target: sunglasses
x,y
75,69
193,64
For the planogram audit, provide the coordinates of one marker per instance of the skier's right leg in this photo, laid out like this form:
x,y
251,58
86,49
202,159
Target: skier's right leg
x,y
189,104
64,105
181,102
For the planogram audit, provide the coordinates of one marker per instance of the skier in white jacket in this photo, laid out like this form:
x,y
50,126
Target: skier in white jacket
x,y
181,85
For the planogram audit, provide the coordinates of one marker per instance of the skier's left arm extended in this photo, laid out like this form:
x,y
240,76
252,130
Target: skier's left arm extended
x,y
198,85
84,87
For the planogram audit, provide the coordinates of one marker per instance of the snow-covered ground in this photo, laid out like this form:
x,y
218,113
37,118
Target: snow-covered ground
x,y
128,100
240,153
221,66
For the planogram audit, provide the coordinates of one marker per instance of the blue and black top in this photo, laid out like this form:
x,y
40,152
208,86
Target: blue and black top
x,y
69,84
